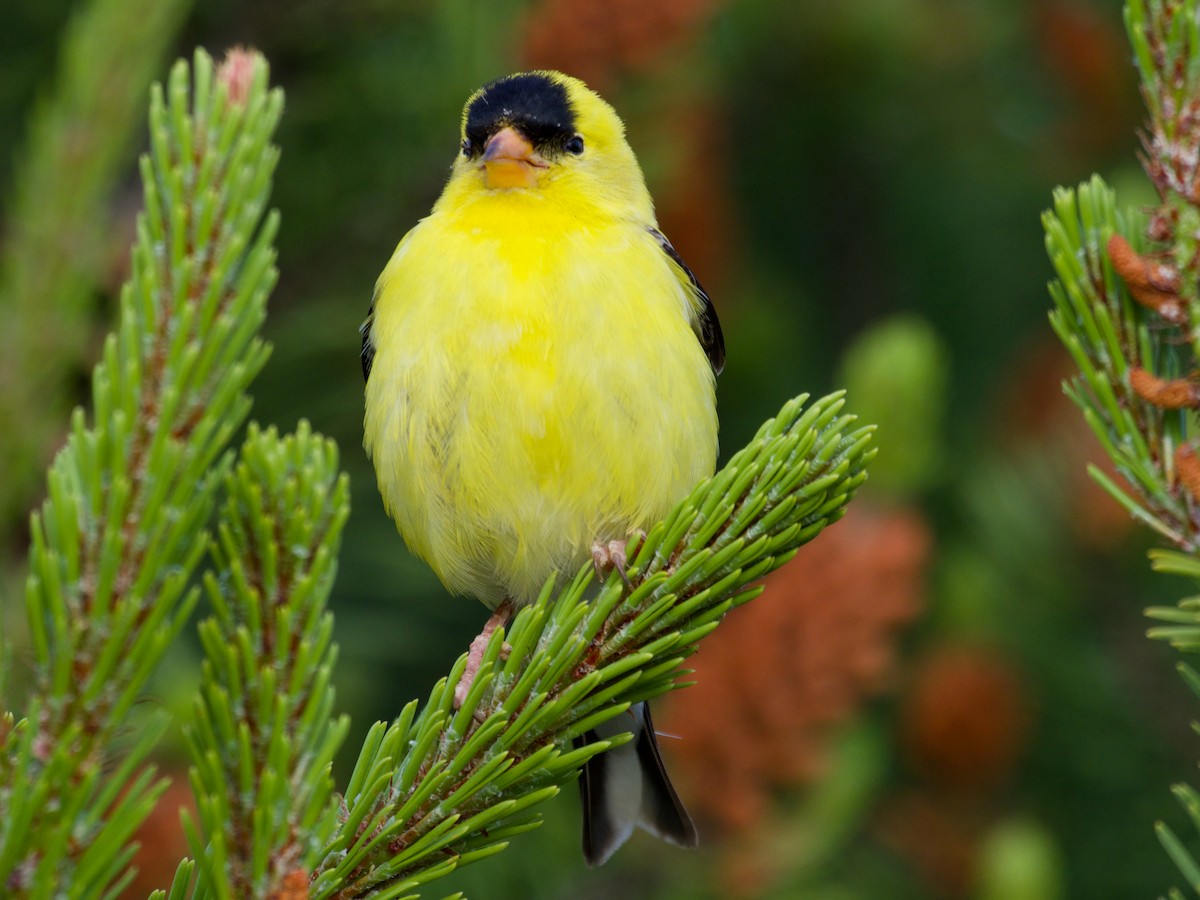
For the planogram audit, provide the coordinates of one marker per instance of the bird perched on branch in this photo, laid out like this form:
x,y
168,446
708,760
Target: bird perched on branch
x,y
540,369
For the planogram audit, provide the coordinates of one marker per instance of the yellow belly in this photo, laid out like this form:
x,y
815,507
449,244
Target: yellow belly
x,y
533,390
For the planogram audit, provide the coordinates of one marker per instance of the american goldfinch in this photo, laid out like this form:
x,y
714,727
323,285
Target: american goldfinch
x,y
540,368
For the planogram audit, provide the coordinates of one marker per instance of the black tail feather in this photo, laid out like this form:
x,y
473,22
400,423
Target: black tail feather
x,y
628,786
662,811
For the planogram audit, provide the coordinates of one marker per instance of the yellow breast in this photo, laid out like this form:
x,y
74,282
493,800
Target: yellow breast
x,y
536,386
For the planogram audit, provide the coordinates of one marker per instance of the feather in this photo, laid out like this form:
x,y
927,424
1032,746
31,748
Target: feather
x,y
706,325
368,345
628,787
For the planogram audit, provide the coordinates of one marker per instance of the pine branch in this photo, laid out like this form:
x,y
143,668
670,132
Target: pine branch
x,y
1109,337
117,541
1127,304
58,227
443,787
264,735
120,537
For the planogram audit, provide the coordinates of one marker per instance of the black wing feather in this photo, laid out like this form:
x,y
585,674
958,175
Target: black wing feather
x,y
368,345
708,328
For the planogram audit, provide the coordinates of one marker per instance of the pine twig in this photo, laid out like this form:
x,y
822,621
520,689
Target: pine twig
x,y
1110,338
118,539
264,735
1127,307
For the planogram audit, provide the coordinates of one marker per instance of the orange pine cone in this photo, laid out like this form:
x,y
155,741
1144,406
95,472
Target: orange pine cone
x,y
1152,284
1187,469
964,718
1175,393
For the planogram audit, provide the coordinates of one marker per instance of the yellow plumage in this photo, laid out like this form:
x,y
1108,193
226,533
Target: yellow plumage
x,y
537,382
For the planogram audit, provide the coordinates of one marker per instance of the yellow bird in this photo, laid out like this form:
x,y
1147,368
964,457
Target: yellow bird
x,y
540,369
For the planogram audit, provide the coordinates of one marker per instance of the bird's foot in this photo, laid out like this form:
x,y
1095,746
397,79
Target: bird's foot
x,y
609,556
478,648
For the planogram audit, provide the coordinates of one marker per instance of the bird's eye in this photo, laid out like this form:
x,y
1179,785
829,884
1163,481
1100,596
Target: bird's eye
x,y
466,147
574,145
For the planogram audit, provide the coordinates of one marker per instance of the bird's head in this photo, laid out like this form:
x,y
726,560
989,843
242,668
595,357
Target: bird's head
x,y
549,133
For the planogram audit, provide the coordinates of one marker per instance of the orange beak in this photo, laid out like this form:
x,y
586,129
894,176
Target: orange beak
x,y
510,161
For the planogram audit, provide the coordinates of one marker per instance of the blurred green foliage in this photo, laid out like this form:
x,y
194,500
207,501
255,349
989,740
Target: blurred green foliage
x,y
900,370
58,244
868,159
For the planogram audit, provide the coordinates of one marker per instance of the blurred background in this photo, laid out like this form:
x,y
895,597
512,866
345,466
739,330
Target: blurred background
x,y
949,694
